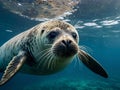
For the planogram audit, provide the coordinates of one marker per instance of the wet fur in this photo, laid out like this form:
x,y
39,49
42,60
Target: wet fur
x,y
31,41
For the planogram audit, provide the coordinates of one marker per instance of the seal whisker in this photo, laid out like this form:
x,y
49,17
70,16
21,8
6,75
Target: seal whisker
x,y
42,59
48,44
78,63
42,51
45,58
53,62
50,61
44,55
48,57
85,48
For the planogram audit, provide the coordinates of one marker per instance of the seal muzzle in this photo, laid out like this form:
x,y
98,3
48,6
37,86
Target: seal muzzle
x,y
65,48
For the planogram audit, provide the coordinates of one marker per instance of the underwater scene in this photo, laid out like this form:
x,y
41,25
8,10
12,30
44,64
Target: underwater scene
x,y
98,26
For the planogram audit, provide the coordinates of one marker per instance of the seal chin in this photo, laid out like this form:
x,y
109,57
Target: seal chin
x,y
65,49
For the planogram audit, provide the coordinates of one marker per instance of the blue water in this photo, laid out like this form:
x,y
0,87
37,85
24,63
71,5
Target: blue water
x,y
100,37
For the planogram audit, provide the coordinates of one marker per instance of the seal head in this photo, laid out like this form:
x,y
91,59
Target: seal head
x,y
60,42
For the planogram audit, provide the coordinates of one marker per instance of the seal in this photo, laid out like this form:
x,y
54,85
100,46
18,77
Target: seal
x,y
44,49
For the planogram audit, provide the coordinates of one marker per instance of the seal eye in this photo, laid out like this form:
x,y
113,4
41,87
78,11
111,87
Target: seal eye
x,y
53,34
74,35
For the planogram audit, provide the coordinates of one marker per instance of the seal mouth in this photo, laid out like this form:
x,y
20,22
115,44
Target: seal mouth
x,y
65,49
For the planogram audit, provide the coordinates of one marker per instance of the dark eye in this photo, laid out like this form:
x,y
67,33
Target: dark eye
x,y
74,35
53,34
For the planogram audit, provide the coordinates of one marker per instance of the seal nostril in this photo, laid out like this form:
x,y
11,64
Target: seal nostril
x,y
69,41
63,41
66,42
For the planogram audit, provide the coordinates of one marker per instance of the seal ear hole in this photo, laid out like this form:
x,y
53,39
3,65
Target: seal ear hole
x,y
42,31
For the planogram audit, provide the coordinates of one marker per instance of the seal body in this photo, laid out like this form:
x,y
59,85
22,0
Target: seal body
x,y
36,43
44,49
13,46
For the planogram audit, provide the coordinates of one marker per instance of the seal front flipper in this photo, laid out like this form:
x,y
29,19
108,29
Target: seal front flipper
x,y
91,63
14,65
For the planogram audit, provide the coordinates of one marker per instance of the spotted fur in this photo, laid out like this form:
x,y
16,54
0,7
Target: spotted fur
x,y
30,41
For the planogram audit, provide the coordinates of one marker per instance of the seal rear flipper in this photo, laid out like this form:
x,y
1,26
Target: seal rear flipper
x,y
14,65
91,63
